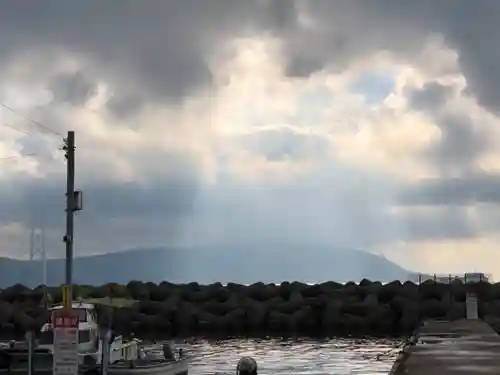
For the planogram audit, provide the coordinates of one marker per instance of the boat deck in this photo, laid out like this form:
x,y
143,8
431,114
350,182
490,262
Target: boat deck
x,y
15,361
464,347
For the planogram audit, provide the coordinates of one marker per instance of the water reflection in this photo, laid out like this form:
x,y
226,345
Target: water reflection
x,y
338,356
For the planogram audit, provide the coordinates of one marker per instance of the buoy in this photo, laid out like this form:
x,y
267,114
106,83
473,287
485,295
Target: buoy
x,y
246,366
168,353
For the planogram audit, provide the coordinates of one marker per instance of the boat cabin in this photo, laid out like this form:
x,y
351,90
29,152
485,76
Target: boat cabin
x,y
88,327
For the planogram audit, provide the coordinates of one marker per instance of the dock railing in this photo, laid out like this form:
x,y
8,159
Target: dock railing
x,y
465,278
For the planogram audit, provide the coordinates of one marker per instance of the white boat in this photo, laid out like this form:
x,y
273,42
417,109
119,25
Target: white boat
x,y
125,356
88,330
152,365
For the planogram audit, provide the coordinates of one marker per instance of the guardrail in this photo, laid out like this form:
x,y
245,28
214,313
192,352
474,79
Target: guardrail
x,y
465,278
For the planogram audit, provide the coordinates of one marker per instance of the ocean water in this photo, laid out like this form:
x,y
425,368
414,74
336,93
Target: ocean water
x,y
311,357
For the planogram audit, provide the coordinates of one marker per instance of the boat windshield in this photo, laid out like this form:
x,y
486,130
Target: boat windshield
x,y
82,315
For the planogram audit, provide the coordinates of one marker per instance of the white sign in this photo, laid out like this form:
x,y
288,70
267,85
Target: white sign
x,y
65,343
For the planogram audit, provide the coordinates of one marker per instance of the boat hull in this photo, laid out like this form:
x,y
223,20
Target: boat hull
x,y
42,365
179,367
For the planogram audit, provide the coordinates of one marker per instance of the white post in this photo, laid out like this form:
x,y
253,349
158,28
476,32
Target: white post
x,y
471,307
29,339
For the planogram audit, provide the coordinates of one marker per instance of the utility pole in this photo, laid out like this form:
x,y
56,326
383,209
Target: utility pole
x,y
69,147
65,321
73,203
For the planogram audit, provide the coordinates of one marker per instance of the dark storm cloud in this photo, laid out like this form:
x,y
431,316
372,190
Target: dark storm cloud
x,y
472,28
431,96
467,190
460,145
454,154
114,217
162,45
302,66
162,195
345,31
157,49
124,105
123,36
462,141
445,223
334,207
74,88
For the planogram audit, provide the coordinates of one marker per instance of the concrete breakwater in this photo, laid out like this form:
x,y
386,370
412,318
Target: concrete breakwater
x,y
465,347
367,308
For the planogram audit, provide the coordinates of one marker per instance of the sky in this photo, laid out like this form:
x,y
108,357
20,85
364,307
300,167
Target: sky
x,y
359,124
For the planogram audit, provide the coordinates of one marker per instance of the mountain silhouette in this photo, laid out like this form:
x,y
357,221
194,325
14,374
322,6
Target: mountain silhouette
x,y
239,264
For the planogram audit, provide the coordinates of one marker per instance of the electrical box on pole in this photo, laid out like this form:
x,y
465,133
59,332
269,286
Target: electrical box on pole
x,y
78,201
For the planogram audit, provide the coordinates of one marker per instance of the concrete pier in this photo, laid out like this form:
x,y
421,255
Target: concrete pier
x,y
461,347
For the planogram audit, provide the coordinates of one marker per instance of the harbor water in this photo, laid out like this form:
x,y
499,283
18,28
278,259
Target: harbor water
x,y
311,357
297,357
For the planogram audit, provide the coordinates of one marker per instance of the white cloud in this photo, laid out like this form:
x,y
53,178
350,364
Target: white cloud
x,y
261,155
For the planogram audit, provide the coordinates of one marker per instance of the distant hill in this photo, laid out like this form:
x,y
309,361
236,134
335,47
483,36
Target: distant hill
x,y
242,265
118,267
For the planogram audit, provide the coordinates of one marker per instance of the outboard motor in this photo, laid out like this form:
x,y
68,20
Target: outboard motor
x,y
90,362
142,353
5,360
168,353
246,366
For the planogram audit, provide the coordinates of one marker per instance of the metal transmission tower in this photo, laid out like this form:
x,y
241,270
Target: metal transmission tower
x,y
37,250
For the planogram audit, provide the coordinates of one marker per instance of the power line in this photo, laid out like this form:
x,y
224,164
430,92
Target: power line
x,y
37,123
17,129
34,122
22,132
